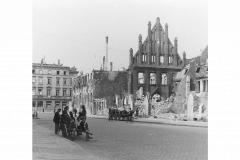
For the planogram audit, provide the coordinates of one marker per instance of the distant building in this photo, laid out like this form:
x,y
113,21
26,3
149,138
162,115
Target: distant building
x,y
51,85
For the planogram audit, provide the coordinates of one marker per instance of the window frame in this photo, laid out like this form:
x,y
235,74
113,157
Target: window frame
x,y
49,92
40,78
64,92
41,91
34,91
50,81
65,81
57,81
57,91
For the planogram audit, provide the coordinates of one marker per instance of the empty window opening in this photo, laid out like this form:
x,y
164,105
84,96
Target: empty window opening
x,y
152,78
140,78
170,60
198,86
58,72
164,78
198,69
204,86
161,59
65,73
33,71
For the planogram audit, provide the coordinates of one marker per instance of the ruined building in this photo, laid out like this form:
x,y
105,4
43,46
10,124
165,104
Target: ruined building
x,y
197,71
153,66
98,89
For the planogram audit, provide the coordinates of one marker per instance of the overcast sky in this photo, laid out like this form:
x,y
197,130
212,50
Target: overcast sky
x,y
74,31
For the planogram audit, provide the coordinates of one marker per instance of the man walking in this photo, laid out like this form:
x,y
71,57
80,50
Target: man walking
x,y
56,120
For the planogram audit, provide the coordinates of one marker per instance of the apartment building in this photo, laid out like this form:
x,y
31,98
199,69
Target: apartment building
x,y
51,85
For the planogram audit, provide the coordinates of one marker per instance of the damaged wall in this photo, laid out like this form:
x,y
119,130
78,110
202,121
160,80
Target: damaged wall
x,y
109,84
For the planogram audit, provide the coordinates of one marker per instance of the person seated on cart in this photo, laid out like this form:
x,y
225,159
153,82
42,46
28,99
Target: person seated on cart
x,y
66,117
82,125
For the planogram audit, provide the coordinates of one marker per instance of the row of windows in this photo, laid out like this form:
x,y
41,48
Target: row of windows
x,y
49,92
141,78
39,80
153,59
49,72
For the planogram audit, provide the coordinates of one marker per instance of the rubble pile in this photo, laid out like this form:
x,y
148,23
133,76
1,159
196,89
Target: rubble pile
x,y
170,116
163,106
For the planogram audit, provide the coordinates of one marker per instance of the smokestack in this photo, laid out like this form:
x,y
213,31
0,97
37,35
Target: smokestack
x,y
59,62
106,65
111,65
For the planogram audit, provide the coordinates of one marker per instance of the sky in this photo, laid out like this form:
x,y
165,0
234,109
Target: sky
x,y
74,31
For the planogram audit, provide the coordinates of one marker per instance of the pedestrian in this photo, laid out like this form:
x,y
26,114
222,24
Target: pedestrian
x,y
137,112
56,120
131,115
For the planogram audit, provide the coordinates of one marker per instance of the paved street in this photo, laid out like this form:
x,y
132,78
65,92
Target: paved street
x,y
120,140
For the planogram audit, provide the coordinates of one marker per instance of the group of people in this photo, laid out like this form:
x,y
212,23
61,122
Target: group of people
x,y
78,121
129,114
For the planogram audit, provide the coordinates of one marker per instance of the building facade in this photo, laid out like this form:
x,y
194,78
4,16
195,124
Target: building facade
x,y
152,68
51,85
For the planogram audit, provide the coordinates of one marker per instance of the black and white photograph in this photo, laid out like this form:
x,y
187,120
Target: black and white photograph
x,y
120,80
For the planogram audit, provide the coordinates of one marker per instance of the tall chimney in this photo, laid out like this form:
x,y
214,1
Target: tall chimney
x,y
59,62
106,65
184,59
111,66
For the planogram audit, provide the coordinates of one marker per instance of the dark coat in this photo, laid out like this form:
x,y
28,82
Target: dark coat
x,y
56,118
